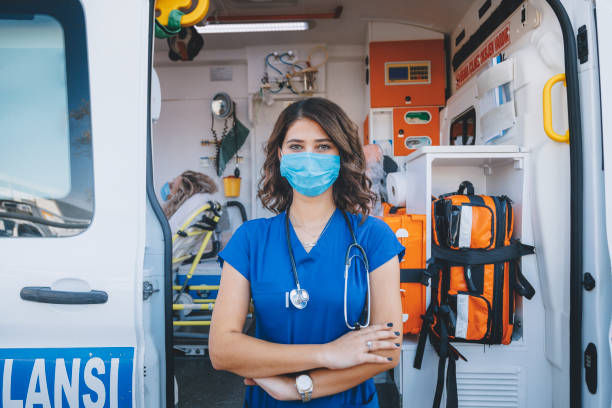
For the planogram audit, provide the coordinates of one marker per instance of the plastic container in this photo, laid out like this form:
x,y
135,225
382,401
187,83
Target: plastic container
x,y
410,231
231,184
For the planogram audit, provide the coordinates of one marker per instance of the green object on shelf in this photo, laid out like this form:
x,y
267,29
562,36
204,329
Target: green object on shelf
x,y
417,117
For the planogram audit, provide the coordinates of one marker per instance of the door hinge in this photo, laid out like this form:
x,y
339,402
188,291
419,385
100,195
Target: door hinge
x,y
148,290
583,44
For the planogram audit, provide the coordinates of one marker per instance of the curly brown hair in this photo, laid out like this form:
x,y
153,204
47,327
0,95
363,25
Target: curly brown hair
x,y
191,182
351,191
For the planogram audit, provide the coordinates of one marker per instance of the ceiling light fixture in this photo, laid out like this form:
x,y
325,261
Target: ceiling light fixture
x,y
252,27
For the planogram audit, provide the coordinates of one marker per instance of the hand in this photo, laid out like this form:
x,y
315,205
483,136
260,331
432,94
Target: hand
x,y
280,387
352,349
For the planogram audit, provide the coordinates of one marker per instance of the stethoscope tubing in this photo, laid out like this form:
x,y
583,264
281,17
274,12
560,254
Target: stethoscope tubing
x,y
347,261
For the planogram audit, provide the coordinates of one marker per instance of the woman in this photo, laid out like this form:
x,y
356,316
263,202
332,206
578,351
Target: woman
x,y
176,192
314,175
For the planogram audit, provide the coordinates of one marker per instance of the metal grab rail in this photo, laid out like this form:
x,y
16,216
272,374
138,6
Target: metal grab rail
x,y
547,107
191,323
193,306
197,287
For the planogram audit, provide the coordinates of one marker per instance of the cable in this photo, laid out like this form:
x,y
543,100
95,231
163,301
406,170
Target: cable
x,y
272,66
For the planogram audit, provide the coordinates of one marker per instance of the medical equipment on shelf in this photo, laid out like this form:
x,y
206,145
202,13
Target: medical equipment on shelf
x,y
299,297
299,78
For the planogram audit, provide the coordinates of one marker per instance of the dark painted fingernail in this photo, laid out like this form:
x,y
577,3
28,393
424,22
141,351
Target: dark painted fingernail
x,y
389,324
389,358
397,333
397,344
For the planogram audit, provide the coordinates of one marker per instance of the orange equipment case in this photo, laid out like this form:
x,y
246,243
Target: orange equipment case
x,y
407,73
410,230
411,126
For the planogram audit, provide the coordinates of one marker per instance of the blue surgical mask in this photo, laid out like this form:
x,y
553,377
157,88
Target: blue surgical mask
x,y
310,173
165,191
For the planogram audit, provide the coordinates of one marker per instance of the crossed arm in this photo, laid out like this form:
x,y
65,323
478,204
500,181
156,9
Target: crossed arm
x,y
334,367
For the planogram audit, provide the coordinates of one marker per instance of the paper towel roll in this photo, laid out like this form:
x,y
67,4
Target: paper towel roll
x,y
397,189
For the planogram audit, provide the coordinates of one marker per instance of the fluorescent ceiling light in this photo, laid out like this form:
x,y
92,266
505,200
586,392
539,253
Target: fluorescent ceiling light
x,y
252,27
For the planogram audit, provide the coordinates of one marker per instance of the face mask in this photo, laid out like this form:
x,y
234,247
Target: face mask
x,y
310,173
165,191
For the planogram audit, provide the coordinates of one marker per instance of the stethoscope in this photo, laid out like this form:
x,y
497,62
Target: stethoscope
x,y
299,297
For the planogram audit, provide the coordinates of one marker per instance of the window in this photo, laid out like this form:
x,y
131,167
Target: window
x,y
46,167
463,128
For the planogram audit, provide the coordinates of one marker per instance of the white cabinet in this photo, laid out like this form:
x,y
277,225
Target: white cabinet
x,y
494,375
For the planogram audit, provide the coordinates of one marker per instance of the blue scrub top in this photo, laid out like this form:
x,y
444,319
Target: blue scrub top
x,y
258,250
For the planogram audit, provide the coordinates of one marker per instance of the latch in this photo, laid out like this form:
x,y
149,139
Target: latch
x,y
148,290
583,45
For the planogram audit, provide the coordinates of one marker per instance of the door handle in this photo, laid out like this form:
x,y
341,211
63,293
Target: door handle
x,y
547,113
45,294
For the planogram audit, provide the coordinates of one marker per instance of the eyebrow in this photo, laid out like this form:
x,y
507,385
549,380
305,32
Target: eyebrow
x,y
301,141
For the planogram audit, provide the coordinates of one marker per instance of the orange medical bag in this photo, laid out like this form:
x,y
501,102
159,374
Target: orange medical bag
x,y
475,276
410,231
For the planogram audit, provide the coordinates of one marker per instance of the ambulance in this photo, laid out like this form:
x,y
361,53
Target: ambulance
x,y
103,102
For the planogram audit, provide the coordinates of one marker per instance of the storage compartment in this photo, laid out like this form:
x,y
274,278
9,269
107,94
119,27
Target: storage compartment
x,y
496,171
414,128
407,73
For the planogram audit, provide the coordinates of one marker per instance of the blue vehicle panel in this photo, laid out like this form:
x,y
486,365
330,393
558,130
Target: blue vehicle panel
x,y
66,377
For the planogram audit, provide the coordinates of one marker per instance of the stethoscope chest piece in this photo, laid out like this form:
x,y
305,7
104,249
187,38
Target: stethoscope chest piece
x,y
299,298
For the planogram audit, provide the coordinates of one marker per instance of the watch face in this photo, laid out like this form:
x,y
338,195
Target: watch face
x,y
303,382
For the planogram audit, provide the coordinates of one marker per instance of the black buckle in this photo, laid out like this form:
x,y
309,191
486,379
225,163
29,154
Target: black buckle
x,y
425,277
181,233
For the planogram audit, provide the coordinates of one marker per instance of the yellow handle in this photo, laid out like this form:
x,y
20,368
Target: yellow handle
x,y
547,105
196,15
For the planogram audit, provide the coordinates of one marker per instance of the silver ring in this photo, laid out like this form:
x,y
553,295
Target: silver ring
x,y
369,345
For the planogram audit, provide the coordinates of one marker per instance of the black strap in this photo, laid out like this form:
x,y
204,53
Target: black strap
x,y
446,355
439,383
466,185
443,353
425,327
470,256
452,400
411,275
521,285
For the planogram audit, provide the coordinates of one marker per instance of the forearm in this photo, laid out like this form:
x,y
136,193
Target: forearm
x,y
254,358
328,382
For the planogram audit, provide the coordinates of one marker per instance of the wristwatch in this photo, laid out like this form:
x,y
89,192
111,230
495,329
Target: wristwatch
x,y
304,386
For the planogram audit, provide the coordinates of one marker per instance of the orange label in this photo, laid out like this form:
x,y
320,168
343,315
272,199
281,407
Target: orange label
x,y
490,49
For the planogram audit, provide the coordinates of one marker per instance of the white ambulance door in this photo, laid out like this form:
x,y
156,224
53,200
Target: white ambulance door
x,y
72,207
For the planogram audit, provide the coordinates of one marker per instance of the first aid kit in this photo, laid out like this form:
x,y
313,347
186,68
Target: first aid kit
x,y
475,276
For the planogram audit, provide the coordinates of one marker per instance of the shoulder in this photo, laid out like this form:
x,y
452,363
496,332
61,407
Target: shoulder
x,y
369,225
258,226
378,240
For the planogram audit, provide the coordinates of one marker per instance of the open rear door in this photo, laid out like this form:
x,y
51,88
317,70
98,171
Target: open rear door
x,y
72,206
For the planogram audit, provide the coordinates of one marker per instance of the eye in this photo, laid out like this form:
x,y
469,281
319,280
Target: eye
x,y
324,146
295,147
